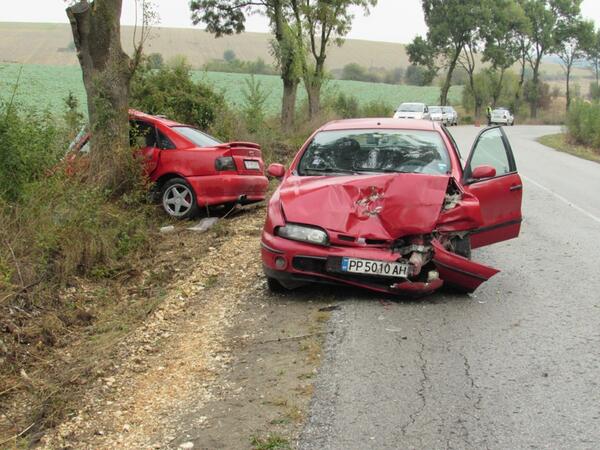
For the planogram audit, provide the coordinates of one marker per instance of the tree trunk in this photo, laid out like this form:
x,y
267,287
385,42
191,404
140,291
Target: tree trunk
x,y
517,104
288,104
313,84
498,88
313,90
536,86
568,91
448,81
106,76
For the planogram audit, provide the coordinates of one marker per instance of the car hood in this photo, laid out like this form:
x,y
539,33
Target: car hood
x,y
409,115
378,207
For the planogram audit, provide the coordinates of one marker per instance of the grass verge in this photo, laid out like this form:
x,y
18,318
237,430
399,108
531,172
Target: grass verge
x,y
561,143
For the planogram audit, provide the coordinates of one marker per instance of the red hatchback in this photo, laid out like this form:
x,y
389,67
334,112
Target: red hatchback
x,y
191,169
387,205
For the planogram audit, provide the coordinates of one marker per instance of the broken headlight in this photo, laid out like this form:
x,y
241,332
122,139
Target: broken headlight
x,y
303,233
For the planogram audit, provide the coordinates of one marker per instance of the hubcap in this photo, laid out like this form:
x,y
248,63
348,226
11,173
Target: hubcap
x,y
177,200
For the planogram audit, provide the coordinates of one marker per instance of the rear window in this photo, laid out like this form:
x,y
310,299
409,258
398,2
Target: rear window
x,y
197,137
411,107
363,152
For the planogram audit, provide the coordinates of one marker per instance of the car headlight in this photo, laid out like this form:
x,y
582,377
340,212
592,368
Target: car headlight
x,y
303,233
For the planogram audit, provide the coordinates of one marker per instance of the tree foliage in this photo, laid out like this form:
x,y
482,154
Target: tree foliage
x,y
321,23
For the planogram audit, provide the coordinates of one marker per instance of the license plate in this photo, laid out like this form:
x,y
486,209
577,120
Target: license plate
x,y
379,268
252,165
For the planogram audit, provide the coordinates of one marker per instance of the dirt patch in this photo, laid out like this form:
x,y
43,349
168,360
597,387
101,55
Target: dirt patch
x,y
218,362
264,394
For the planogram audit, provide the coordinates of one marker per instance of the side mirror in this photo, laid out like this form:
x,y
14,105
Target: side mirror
x,y
481,172
276,170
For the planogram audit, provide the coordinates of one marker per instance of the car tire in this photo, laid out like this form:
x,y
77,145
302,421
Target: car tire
x,y
275,286
178,199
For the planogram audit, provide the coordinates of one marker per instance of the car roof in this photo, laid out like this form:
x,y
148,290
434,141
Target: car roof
x,y
133,113
383,123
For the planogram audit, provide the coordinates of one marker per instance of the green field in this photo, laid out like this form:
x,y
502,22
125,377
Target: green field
x,y
45,87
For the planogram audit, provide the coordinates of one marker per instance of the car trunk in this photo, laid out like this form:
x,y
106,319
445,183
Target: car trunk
x,y
247,157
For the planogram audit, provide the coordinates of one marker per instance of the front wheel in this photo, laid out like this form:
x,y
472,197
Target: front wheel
x,y
179,199
275,286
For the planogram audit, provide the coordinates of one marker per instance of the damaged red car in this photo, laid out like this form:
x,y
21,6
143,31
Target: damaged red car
x,y
387,205
189,168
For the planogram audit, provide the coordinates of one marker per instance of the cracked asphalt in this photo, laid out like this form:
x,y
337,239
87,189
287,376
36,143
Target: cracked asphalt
x,y
515,365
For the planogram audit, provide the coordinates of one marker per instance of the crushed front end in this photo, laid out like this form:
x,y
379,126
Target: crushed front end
x,y
374,234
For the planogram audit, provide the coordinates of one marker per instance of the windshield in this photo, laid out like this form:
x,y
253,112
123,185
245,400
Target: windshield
x,y
359,152
197,137
435,110
410,107
448,109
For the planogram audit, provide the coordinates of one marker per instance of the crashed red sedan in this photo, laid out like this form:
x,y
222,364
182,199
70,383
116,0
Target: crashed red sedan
x,y
189,168
386,205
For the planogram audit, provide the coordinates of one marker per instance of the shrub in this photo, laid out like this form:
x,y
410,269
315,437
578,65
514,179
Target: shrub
x,y
377,109
583,123
171,91
254,104
31,144
345,106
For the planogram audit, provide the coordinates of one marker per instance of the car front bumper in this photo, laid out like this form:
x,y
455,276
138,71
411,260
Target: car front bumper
x,y
295,263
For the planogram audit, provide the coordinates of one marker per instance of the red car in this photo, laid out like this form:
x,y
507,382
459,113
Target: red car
x,y
191,169
386,205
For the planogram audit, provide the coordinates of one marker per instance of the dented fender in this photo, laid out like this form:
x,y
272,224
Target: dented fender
x,y
459,271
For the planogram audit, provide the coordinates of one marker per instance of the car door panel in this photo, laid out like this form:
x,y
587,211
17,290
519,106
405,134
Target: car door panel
x,y
500,198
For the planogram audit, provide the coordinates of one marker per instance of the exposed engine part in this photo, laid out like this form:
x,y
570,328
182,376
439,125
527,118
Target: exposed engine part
x,y
453,196
432,275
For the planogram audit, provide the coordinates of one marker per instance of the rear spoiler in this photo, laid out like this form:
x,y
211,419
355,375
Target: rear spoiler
x,y
239,145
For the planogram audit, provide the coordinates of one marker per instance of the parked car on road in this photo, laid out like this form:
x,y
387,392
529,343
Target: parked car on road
x,y
502,116
412,111
436,114
450,115
191,169
386,205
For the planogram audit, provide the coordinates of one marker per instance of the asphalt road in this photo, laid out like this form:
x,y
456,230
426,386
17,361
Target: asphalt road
x,y
516,365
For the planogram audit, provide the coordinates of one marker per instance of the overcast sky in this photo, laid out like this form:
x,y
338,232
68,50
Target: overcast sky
x,y
391,20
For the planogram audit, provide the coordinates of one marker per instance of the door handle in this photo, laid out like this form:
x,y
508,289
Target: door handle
x,y
516,187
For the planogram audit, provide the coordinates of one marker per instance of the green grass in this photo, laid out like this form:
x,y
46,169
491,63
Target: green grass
x,y
561,143
271,442
45,87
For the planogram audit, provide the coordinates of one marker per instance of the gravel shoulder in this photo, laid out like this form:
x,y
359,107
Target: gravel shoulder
x,y
221,363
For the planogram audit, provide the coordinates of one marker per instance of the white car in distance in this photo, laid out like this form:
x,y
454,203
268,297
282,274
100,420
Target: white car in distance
x,y
437,114
450,115
502,116
418,111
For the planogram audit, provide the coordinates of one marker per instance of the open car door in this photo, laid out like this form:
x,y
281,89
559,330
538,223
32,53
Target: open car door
x,y
491,175
143,137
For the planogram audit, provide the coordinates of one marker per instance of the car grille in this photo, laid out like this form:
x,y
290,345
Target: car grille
x,y
319,266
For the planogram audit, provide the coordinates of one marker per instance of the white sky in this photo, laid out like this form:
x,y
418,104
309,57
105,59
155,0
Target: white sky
x,y
392,20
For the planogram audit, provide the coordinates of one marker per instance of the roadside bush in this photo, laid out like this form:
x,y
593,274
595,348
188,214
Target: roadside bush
x,y
31,143
171,91
583,123
377,109
345,106
254,104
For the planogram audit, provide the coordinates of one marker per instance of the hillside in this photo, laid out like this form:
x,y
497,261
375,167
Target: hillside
x,y
48,44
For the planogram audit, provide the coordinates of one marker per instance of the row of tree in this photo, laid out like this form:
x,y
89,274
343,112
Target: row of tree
x,y
503,33
302,29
